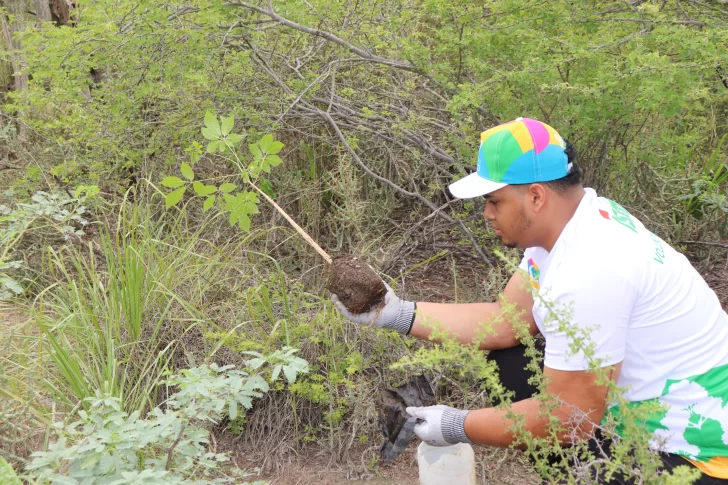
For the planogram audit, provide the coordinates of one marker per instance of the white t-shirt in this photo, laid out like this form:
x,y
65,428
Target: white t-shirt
x,y
643,304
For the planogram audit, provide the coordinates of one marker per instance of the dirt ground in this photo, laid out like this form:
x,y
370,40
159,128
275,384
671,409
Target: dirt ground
x,y
493,466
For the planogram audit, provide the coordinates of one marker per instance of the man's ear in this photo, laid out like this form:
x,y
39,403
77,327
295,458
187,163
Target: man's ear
x,y
536,195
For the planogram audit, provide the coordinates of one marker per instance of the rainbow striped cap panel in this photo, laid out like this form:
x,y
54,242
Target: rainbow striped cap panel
x,y
521,152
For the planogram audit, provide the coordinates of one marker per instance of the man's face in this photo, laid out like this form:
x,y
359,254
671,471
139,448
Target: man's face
x,y
505,210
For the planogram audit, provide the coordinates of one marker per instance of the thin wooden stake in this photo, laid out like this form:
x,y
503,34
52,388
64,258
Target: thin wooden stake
x,y
298,228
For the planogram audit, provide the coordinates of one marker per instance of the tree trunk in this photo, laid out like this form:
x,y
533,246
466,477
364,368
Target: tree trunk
x,y
16,8
62,11
42,11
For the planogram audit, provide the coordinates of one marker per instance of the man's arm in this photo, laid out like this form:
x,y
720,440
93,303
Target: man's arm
x,y
579,393
465,320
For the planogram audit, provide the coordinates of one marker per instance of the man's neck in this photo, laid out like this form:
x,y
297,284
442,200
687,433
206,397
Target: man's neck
x,y
565,211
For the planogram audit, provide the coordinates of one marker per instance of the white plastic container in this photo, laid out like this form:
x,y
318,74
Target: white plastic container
x,y
446,465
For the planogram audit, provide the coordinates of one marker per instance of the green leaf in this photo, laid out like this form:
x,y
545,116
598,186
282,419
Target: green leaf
x,y
11,284
7,474
214,145
266,143
290,373
267,187
233,410
204,190
255,150
187,171
274,148
227,125
255,363
225,188
234,138
173,182
210,134
208,203
174,197
211,122
273,160
276,372
241,206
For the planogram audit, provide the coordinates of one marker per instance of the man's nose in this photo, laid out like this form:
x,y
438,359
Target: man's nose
x,y
488,214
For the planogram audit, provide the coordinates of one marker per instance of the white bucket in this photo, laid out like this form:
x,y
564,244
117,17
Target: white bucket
x,y
446,465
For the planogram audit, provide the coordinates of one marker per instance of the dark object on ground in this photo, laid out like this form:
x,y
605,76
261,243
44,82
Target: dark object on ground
x,y
395,424
358,287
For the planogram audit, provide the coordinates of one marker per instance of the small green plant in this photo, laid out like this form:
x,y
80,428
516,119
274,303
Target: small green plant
x,y
239,203
107,446
708,189
57,212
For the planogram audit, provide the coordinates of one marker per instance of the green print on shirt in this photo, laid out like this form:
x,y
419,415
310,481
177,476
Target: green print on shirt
x,y
706,434
621,215
705,426
659,250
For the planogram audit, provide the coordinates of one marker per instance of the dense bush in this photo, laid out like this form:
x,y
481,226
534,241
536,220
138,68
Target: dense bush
x,y
353,117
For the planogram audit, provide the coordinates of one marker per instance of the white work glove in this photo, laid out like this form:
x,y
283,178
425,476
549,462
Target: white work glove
x,y
396,313
441,426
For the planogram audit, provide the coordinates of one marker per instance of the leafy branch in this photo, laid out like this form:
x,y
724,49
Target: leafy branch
x,y
170,446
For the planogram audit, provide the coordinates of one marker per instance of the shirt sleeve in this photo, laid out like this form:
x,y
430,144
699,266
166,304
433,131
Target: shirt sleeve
x,y
588,308
524,261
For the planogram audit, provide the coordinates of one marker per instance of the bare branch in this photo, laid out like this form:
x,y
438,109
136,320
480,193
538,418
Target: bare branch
x,y
704,243
330,37
335,127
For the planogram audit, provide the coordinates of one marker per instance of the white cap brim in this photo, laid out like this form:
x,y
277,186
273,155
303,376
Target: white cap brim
x,y
473,186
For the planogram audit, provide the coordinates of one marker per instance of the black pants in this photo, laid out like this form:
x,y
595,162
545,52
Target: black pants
x,y
514,377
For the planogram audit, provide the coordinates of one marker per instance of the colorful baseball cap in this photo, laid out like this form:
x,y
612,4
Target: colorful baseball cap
x,y
523,151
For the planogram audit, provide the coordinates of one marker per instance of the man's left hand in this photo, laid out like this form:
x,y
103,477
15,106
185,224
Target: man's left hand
x,y
441,425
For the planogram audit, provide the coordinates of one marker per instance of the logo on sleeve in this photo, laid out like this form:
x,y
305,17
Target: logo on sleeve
x,y
620,215
534,274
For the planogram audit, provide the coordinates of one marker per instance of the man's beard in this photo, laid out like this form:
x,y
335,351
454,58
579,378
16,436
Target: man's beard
x,y
520,226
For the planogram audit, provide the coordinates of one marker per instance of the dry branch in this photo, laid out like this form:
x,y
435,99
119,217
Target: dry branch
x,y
293,223
311,108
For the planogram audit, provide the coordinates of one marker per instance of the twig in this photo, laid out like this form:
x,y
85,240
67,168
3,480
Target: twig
x,y
705,243
328,36
174,445
334,125
298,228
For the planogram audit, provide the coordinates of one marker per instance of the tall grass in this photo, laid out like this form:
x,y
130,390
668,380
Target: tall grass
x,y
115,319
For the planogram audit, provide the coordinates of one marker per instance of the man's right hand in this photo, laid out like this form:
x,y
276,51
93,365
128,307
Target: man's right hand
x,y
393,313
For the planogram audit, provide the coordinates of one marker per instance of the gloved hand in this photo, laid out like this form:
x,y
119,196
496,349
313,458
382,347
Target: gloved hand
x,y
442,425
396,313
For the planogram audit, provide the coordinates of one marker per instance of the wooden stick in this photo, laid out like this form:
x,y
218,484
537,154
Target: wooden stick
x,y
298,228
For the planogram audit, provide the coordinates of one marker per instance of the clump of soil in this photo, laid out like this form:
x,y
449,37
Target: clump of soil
x,y
355,283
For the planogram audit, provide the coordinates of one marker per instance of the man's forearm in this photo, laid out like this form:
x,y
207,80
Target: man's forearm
x,y
466,321
490,426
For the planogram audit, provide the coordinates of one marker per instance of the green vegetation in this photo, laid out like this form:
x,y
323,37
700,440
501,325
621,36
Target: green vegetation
x,y
138,260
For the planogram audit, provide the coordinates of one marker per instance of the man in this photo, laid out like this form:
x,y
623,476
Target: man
x,y
658,330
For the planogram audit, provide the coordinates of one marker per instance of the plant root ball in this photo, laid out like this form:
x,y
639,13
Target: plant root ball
x,y
355,283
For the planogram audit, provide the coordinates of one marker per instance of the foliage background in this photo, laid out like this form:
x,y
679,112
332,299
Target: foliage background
x,y
379,106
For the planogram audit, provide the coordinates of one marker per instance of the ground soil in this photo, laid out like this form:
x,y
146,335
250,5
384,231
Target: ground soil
x,y
356,285
494,466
